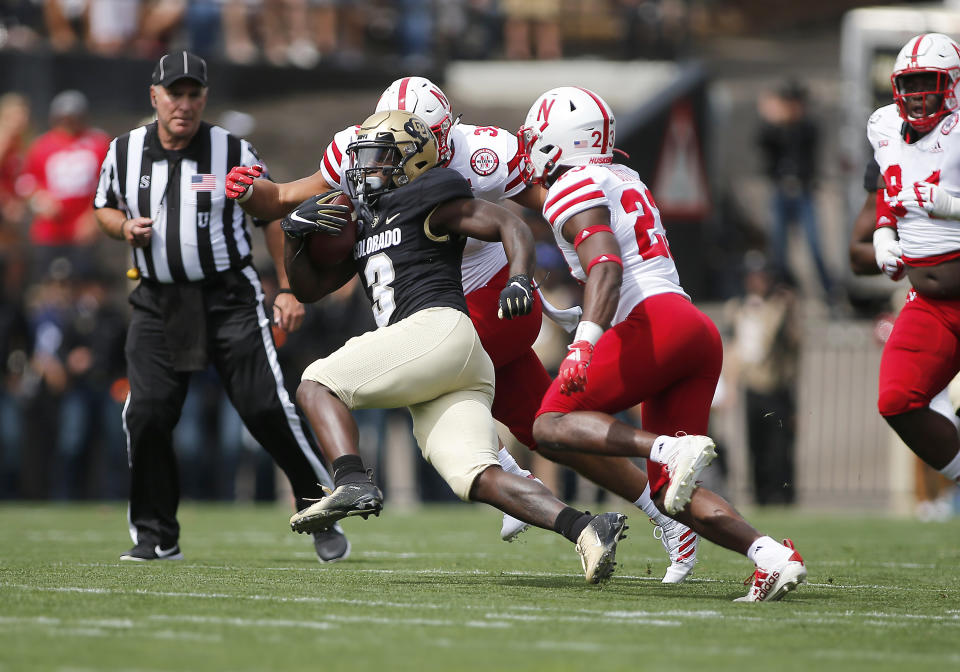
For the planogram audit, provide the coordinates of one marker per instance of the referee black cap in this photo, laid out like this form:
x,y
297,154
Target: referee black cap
x,y
180,65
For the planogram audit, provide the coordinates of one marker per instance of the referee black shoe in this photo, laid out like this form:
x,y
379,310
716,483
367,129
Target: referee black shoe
x,y
331,545
349,499
147,550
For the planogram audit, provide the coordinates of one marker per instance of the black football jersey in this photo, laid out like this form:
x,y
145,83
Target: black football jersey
x,y
404,268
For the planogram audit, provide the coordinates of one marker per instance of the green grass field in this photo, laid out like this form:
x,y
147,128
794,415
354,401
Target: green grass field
x,y
436,589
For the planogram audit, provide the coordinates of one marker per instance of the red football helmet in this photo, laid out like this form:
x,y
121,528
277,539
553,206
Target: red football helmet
x,y
937,57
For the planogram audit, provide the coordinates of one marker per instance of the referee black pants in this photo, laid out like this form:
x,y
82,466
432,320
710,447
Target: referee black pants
x,y
240,345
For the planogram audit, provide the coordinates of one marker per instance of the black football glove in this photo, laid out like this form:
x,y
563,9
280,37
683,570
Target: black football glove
x,y
516,299
317,213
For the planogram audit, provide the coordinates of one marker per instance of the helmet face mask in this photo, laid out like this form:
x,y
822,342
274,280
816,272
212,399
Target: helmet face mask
x,y
423,98
391,150
566,126
924,80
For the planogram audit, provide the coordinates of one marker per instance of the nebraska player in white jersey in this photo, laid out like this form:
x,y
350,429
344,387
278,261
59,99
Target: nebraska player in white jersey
x,y
487,156
916,142
641,340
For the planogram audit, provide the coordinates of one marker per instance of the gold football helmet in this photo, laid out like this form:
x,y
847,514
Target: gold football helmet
x,y
392,149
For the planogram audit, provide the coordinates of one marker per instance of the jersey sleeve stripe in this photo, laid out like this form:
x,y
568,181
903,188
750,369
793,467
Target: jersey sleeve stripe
x,y
566,192
562,208
331,173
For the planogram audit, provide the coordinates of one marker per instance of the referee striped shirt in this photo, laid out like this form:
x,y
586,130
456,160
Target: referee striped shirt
x,y
197,230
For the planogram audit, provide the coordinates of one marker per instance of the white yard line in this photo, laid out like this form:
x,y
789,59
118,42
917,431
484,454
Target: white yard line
x,y
514,613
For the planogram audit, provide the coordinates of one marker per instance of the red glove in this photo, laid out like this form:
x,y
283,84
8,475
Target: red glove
x,y
240,181
573,369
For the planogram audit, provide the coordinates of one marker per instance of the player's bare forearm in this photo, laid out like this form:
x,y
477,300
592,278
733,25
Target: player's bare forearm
x,y
862,254
602,292
517,241
307,282
270,200
483,220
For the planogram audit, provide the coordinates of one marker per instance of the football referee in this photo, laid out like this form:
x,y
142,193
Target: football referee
x,y
199,301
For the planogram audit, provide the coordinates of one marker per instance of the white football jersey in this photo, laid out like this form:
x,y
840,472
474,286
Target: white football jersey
x,y
486,156
932,158
648,267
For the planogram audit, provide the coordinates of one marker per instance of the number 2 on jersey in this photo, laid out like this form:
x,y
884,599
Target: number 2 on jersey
x,y
651,236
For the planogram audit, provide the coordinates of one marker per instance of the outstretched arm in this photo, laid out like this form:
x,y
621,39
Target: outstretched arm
x,y
268,200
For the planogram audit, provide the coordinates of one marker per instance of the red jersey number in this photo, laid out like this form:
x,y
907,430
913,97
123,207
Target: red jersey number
x,y
650,242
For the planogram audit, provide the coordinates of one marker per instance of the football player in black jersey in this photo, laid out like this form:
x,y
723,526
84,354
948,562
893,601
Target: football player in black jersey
x,y
425,354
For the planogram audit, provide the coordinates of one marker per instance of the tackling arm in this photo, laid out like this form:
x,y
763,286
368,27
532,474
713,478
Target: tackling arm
x,y
268,200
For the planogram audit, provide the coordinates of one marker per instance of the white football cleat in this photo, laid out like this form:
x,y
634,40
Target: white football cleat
x,y
690,456
681,544
512,528
772,583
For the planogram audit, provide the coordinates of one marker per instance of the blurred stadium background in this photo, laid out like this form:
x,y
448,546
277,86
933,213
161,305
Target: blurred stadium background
x,y
684,78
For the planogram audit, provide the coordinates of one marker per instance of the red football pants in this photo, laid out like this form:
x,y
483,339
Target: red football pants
x,y
921,356
666,356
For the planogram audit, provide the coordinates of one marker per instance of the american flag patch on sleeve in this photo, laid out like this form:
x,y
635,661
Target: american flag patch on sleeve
x,y
203,182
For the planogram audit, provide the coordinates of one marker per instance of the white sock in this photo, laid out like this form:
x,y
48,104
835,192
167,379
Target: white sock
x,y
662,447
952,470
646,505
510,465
765,551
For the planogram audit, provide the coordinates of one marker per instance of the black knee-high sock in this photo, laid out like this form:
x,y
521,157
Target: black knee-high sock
x,y
570,523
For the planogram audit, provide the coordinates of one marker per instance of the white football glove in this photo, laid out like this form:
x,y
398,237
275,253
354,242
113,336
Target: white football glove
x,y
932,199
565,318
886,249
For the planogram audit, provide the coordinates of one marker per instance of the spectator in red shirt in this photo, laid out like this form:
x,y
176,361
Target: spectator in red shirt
x,y
59,180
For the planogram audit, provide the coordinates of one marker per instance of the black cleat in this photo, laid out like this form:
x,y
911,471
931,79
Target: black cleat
x,y
349,499
597,545
331,545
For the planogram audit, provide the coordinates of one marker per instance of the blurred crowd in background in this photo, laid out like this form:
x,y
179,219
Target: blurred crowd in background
x,y
305,33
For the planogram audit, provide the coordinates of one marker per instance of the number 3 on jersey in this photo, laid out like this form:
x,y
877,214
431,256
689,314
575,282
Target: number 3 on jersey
x,y
651,236
379,273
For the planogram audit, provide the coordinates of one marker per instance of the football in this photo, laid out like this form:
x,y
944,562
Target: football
x,y
325,249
